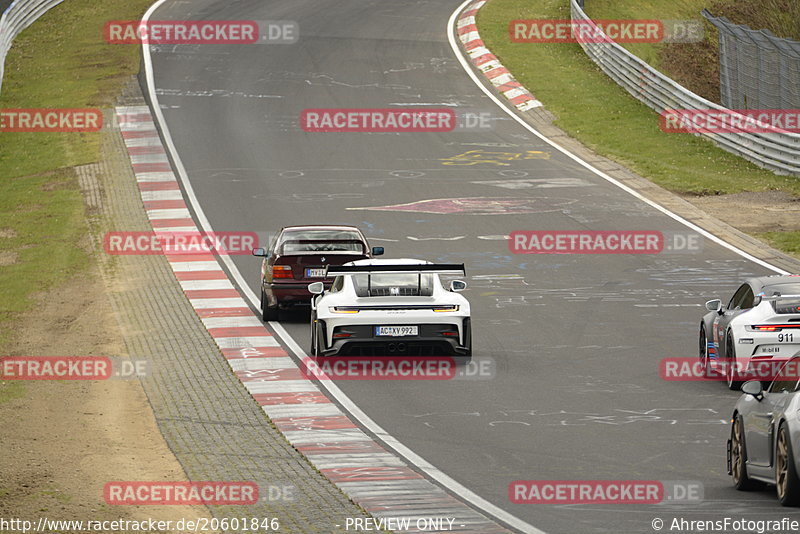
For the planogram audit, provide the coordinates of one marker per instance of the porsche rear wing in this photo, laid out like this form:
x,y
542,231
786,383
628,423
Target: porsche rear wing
x,y
439,268
784,304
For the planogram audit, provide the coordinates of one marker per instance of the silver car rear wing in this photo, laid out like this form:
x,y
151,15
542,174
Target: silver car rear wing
x,y
439,268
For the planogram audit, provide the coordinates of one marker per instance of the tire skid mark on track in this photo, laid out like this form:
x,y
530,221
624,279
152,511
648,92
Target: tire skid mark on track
x,y
374,478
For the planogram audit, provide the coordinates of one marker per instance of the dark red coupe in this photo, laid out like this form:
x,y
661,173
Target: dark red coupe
x,y
298,256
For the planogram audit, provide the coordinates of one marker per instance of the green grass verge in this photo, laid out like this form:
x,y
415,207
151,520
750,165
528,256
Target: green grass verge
x,y
646,9
61,61
595,110
786,241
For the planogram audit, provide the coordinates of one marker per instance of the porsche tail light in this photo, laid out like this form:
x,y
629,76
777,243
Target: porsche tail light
x,y
342,309
771,327
446,308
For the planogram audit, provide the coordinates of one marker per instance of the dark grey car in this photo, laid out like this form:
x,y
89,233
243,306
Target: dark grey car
x,y
765,435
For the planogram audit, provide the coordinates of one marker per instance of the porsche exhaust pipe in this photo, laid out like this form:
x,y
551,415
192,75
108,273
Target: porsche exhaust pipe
x,y
392,347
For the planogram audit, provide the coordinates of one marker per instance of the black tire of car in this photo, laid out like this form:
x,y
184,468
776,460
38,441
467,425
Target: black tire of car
x,y
313,334
268,313
786,480
703,355
468,337
318,326
730,364
739,454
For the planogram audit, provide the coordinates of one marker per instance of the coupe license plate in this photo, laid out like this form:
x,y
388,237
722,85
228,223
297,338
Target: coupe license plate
x,y
396,331
315,273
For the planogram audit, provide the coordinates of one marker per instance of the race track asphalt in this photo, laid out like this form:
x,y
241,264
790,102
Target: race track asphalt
x,y
576,339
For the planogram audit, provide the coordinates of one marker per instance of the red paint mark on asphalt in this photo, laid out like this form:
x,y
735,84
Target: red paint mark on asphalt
x,y
334,422
170,185
249,352
363,474
164,204
239,331
306,397
270,375
204,275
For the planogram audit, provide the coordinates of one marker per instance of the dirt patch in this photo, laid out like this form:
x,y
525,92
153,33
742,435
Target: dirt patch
x,y
56,185
695,65
7,258
770,211
781,17
62,441
7,233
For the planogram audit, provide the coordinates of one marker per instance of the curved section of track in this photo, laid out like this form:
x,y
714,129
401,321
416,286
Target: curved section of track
x,y
576,339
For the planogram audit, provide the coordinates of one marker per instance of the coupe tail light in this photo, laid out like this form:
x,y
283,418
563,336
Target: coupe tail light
x,y
342,309
446,308
770,327
282,271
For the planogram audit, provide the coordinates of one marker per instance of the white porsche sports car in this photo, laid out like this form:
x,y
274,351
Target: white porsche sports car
x,y
756,329
381,307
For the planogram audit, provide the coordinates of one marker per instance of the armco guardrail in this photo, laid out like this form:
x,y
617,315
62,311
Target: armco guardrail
x,y
19,15
777,151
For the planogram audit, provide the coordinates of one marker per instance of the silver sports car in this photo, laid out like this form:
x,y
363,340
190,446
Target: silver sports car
x,y
754,330
765,433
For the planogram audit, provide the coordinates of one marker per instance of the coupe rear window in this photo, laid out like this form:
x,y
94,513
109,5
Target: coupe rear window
x,y
390,284
321,241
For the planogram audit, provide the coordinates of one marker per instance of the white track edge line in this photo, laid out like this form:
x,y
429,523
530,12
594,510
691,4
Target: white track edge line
x,y
471,72
459,491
